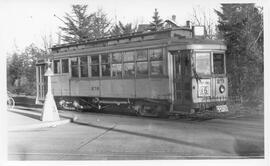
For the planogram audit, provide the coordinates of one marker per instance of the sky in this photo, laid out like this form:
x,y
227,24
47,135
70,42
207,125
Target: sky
x,y
27,21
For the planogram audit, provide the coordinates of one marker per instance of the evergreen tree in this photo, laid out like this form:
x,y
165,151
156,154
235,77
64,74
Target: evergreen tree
x,y
157,23
127,28
100,25
241,26
77,24
120,29
116,30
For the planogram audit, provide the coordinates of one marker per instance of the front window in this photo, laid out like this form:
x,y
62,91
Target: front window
x,y
203,63
218,60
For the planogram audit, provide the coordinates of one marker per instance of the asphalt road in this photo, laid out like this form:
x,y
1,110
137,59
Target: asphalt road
x,y
97,136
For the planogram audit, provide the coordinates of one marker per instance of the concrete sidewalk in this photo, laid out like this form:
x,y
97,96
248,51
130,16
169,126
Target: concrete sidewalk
x,y
23,119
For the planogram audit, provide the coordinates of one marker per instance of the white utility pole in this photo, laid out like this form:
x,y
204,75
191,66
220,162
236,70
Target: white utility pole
x,y
50,112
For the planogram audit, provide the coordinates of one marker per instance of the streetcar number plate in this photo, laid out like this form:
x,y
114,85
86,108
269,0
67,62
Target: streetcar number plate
x,y
222,108
204,88
204,91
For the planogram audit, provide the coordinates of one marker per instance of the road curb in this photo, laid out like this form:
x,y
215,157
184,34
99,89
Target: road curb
x,y
40,125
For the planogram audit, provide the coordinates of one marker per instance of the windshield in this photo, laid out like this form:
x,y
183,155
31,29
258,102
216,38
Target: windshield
x,y
203,63
218,59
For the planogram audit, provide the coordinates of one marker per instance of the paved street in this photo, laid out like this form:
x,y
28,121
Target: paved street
x,y
104,136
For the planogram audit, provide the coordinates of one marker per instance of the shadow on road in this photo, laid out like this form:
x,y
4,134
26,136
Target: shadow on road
x,y
247,148
171,140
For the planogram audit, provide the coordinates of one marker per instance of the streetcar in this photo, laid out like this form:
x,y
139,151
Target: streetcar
x,y
170,71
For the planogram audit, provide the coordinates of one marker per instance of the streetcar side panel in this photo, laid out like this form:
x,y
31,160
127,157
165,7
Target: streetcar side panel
x,y
118,88
153,88
60,85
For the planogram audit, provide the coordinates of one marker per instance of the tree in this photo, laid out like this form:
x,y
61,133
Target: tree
x,y
157,23
80,26
241,26
202,18
21,70
47,43
120,29
77,24
116,30
100,25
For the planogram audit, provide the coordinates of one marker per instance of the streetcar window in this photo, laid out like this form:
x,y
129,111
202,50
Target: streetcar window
x,y
141,55
84,66
105,69
56,66
95,60
65,68
203,63
74,67
128,56
142,69
117,70
129,69
117,57
156,54
105,66
105,58
218,60
95,66
142,63
129,66
156,67
117,64
156,62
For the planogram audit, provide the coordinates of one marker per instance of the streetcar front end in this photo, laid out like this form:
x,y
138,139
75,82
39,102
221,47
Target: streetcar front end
x,y
209,80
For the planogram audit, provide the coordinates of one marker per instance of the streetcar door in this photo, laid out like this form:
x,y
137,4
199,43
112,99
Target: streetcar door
x,y
177,76
182,75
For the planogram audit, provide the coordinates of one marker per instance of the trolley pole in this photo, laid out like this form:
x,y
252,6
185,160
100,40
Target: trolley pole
x,y
50,112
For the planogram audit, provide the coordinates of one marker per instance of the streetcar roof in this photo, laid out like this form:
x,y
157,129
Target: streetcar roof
x,y
174,36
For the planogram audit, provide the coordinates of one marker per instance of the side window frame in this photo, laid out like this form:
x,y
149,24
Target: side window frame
x,y
62,66
58,71
105,63
95,64
127,62
117,63
160,61
83,65
75,66
141,61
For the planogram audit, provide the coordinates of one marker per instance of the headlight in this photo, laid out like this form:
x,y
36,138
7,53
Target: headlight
x,y
222,88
